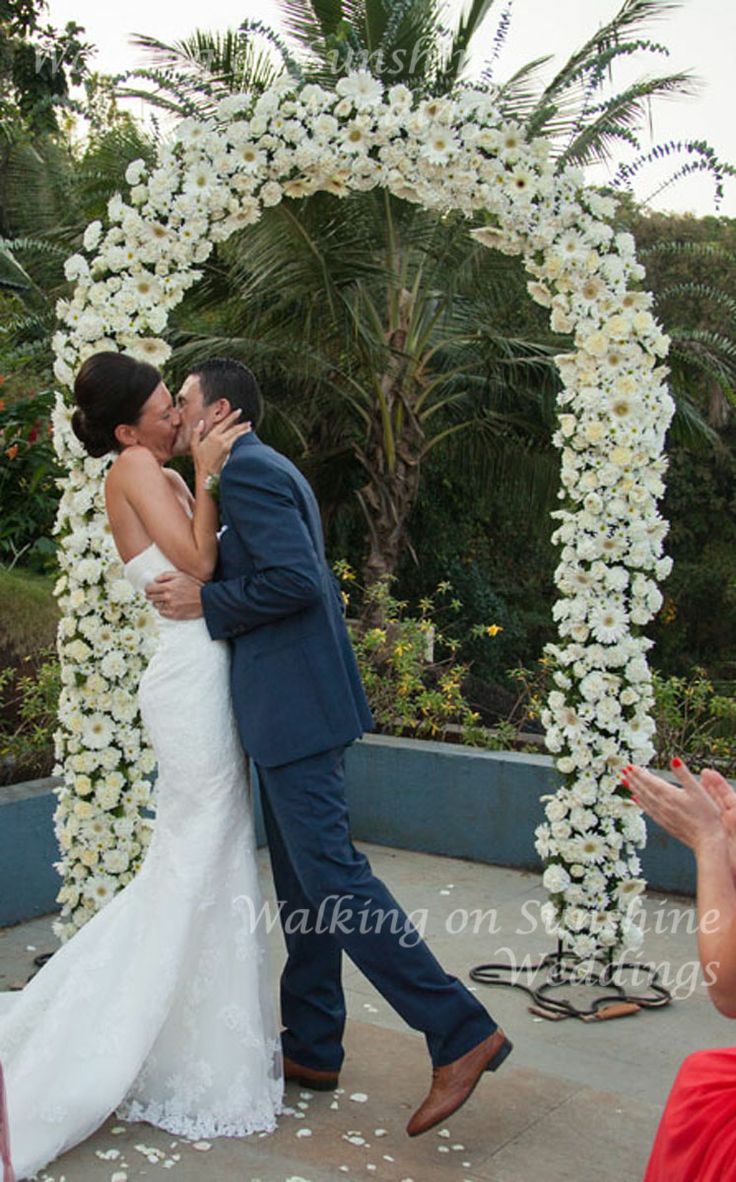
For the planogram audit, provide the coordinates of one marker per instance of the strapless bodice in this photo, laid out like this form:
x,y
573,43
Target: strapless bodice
x,y
144,567
142,570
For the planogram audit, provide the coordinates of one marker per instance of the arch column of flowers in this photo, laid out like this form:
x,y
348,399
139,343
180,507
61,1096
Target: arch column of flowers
x,y
215,177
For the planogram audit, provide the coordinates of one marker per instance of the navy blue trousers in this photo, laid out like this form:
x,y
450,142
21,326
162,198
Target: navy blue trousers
x,y
332,902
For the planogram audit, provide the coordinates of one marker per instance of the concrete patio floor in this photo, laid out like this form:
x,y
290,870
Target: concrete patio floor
x,y
575,1100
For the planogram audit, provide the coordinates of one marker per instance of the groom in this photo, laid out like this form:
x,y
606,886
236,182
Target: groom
x,y
299,702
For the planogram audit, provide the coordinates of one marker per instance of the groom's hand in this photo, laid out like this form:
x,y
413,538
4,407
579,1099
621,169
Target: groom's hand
x,y
176,596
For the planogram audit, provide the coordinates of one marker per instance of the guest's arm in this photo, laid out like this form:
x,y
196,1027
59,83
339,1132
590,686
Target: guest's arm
x,y
690,814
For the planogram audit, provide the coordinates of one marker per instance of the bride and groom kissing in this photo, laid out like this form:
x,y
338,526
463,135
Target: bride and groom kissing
x,y
160,1007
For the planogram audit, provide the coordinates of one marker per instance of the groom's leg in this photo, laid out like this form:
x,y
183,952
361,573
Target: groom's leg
x,y
307,799
312,1000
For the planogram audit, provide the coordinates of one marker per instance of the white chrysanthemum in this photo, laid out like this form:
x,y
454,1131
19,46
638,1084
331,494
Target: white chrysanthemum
x,y
116,861
555,879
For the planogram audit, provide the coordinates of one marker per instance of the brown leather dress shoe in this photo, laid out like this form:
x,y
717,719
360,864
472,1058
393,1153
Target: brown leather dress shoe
x,y
454,1083
309,1077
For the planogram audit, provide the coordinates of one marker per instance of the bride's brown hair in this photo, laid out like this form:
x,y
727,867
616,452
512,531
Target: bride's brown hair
x,y
110,389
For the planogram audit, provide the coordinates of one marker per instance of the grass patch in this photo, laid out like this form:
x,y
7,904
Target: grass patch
x,y
28,614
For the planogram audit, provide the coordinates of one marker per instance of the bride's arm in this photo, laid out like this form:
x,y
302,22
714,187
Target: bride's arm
x,y
138,480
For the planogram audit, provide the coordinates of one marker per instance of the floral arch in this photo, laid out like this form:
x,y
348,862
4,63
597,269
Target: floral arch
x,y
216,176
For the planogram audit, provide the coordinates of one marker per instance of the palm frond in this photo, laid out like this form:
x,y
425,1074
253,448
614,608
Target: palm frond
x,y
499,40
518,96
632,15
456,55
618,118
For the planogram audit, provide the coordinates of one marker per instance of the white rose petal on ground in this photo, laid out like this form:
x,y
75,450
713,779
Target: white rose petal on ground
x,y
359,1097
202,1146
304,1132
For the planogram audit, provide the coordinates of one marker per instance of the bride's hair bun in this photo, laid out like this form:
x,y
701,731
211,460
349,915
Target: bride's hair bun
x,y
95,442
110,389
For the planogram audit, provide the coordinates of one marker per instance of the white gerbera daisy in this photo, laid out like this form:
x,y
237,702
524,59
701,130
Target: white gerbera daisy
x,y
609,623
439,144
361,88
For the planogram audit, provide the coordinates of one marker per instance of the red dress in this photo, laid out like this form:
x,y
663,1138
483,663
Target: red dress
x,y
696,1138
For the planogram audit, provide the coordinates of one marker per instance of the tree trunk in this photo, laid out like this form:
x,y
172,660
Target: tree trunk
x,y
392,461
719,408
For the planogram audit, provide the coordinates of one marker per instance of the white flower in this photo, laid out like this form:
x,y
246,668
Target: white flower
x,y
135,171
116,861
97,731
361,88
99,889
609,623
555,879
439,144
150,349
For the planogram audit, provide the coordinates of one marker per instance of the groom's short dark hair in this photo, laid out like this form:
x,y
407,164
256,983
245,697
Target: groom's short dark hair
x,y
223,377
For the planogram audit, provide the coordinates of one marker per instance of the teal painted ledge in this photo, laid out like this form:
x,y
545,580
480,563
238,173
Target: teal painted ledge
x,y
438,798
28,850
464,802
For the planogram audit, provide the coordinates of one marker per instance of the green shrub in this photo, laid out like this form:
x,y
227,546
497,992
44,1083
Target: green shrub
x,y
695,722
29,680
29,703
409,665
28,473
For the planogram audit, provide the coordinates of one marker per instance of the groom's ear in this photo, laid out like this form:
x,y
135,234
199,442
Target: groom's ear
x,y
220,410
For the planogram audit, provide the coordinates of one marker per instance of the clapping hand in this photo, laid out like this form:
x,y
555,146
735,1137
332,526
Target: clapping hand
x,y
689,812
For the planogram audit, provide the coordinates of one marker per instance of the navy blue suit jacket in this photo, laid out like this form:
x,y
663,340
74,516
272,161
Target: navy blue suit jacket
x,y
295,683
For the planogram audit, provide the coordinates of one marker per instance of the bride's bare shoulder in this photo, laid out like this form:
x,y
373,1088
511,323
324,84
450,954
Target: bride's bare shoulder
x,y
132,464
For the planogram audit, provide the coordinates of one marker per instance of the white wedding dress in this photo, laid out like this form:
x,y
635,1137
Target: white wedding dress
x,y
160,1008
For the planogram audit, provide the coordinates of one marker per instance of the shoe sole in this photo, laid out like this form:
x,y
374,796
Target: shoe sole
x,y
314,1085
493,1064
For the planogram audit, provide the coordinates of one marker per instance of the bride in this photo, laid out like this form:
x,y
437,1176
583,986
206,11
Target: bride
x,y
160,1008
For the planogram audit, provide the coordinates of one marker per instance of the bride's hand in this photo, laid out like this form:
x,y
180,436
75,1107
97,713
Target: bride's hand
x,y
209,454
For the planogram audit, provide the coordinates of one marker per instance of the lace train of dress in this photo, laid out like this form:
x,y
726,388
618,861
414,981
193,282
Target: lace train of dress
x,y
161,1006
